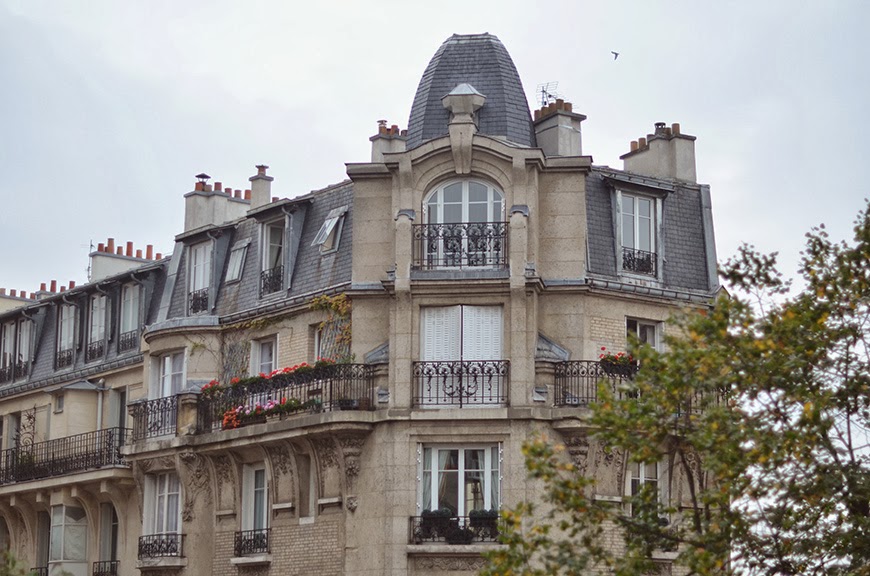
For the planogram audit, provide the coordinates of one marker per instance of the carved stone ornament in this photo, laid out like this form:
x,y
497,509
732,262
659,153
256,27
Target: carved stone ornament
x,y
466,563
351,502
578,449
326,453
281,459
351,448
196,477
223,467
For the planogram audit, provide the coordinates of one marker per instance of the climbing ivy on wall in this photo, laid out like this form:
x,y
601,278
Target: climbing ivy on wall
x,y
335,330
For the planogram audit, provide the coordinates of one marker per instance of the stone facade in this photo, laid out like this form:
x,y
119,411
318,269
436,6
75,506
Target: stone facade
x,y
480,277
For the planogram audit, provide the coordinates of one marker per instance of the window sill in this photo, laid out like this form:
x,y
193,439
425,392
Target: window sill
x,y
252,560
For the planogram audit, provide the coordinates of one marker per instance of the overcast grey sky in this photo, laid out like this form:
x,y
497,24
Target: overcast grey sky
x,y
108,109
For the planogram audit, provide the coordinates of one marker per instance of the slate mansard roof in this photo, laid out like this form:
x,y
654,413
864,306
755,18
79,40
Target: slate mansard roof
x,y
482,61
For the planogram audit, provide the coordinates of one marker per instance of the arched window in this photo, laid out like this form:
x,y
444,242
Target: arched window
x,y
463,227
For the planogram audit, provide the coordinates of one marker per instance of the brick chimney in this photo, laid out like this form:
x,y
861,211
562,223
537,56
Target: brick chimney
x,y
387,140
557,129
667,153
261,187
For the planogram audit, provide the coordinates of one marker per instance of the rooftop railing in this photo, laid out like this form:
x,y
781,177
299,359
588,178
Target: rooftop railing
x,y
271,280
198,300
64,358
95,350
460,245
335,387
63,456
128,340
461,382
153,418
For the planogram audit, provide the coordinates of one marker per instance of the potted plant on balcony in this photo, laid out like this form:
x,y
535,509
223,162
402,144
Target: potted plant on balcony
x,y
485,521
457,534
619,364
435,523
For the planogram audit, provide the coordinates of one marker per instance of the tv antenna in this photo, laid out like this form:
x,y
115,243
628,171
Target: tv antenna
x,y
547,93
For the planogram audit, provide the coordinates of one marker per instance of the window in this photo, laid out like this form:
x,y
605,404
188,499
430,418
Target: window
x,y
463,226
108,532
263,355
65,336
167,496
7,351
461,353
171,374
649,476
22,355
272,276
58,403
638,233
330,232
96,328
644,331
460,479
254,537
200,276
69,534
237,261
129,327
307,485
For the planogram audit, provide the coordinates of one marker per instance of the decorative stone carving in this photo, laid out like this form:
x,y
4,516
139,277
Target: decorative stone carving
x,y
450,562
351,448
282,462
326,453
196,479
223,467
578,450
351,502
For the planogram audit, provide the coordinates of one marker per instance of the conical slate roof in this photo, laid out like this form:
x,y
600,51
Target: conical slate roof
x,y
482,61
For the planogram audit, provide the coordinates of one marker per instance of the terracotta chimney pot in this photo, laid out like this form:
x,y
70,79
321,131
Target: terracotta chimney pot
x,y
149,251
129,249
53,286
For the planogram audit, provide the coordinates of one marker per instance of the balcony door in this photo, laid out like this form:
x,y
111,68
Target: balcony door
x,y
460,345
465,225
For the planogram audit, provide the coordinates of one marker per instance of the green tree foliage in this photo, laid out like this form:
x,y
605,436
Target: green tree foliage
x,y
760,407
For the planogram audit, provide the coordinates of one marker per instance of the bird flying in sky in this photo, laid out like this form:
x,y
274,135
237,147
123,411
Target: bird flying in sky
x,y
615,54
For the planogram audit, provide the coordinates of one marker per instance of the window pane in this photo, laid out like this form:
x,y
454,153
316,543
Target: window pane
x,y
75,542
644,234
627,205
452,213
628,230
478,212
453,193
477,192
494,482
644,207
259,499
448,480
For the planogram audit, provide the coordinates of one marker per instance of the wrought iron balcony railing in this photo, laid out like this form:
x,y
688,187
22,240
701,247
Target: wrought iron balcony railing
x,y
6,373
460,245
453,529
95,350
249,542
63,456
21,369
161,545
639,261
64,358
128,340
198,300
577,380
461,383
153,418
271,280
335,387
39,571
106,568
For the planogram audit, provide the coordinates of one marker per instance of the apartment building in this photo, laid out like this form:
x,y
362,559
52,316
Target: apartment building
x,y
340,381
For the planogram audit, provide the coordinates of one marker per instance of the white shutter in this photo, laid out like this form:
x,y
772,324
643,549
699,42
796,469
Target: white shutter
x,y
441,333
481,332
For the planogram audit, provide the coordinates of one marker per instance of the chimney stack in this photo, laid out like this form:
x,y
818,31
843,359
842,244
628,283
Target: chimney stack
x,y
557,129
388,140
667,153
261,187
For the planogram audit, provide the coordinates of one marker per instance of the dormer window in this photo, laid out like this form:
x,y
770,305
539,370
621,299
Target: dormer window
x,y
96,328
638,253
129,328
272,276
463,227
330,232
65,336
237,260
200,275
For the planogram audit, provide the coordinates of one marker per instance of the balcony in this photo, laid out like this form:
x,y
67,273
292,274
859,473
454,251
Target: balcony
x,y
460,245
128,341
639,261
106,568
271,280
21,369
39,571
161,546
248,542
64,358
95,350
197,301
336,387
432,527
6,373
63,456
577,380
153,418
461,383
